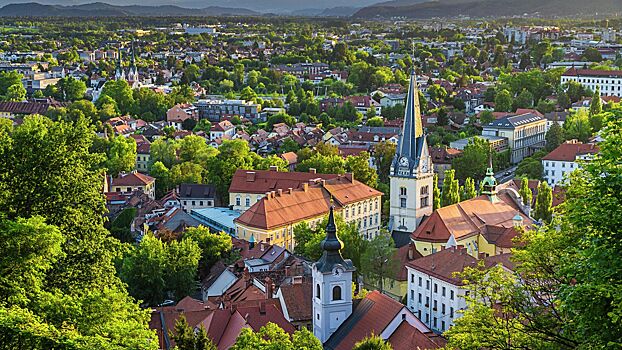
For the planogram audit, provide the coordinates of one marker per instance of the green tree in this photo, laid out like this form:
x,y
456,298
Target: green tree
x,y
372,342
530,168
450,194
120,92
525,191
165,151
214,246
378,262
469,189
596,106
187,339
121,155
87,108
486,117
233,155
544,203
186,172
503,101
15,93
384,152
474,160
524,99
8,79
577,126
363,172
153,269
374,121
554,136
70,89
163,178
331,164
193,148
203,125
436,194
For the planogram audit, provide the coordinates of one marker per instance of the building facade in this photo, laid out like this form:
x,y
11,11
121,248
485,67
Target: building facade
x,y
566,158
608,81
525,134
412,172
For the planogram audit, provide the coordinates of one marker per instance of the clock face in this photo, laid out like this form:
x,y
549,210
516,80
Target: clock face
x,y
403,161
337,272
424,165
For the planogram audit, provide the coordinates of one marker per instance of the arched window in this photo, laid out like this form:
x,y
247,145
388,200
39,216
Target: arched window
x,y
336,293
402,191
317,291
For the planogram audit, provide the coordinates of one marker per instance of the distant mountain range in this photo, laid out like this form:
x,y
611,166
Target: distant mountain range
x,y
100,9
319,8
489,8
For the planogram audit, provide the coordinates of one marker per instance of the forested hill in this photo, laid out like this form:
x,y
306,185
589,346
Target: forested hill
x,y
490,8
99,9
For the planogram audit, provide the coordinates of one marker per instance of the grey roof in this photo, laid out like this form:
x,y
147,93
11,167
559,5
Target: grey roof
x,y
342,332
379,129
560,116
197,191
411,140
511,122
331,246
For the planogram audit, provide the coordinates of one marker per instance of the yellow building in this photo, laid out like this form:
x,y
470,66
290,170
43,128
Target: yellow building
x,y
484,225
273,217
524,132
133,181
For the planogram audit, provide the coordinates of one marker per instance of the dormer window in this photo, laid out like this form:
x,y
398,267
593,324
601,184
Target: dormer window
x,y
317,291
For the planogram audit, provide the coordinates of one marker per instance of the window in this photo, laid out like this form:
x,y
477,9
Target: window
x,y
193,203
402,191
419,314
412,278
402,202
451,312
424,202
443,308
451,294
427,301
442,325
201,203
435,288
336,293
248,201
443,293
427,285
317,291
412,294
238,201
434,322
420,280
419,300
435,305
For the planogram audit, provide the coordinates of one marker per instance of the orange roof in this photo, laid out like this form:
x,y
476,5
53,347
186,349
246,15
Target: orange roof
x,y
290,157
262,181
467,218
569,151
407,337
282,208
445,263
132,179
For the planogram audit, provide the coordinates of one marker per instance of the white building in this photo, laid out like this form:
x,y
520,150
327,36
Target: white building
x,y
565,159
435,294
411,174
609,82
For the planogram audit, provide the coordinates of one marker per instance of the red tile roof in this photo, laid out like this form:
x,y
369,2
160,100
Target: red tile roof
x,y
262,181
467,218
407,337
569,151
443,155
592,72
445,263
403,255
132,179
372,315
287,207
290,157
298,300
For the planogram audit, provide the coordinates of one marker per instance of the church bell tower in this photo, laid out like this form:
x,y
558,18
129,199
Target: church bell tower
x,y
411,174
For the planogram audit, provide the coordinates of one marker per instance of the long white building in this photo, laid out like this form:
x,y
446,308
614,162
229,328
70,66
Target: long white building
x,y
565,159
608,81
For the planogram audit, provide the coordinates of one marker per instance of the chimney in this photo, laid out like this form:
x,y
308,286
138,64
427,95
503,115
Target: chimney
x,y
290,190
350,177
272,194
323,182
305,186
279,192
269,287
411,251
274,168
312,170
481,255
262,308
262,246
250,176
268,195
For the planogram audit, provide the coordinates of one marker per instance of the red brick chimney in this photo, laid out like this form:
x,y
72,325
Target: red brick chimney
x,y
269,287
